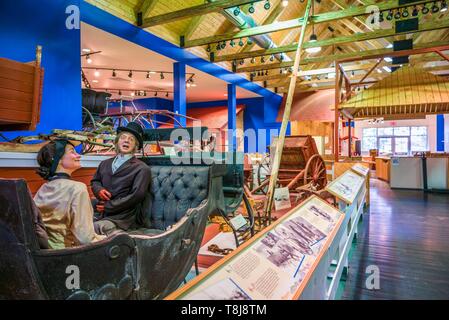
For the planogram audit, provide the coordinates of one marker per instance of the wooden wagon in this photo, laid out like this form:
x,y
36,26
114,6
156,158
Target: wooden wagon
x,y
20,93
301,165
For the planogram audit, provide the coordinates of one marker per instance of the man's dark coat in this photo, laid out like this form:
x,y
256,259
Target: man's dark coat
x,y
129,186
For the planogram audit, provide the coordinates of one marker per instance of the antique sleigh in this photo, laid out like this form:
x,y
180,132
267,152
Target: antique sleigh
x,y
143,264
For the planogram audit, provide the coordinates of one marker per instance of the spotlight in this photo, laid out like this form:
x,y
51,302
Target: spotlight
x,y
97,73
223,45
397,15
119,92
390,15
208,49
262,60
267,5
166,94
272,58
130,74
405,13
415,11
425,10
148,75
253,60
281,57
232,43
435,8
133,94
144,93
88,59
242,62
381,17
284,3
155,94
443,6
113,73
266,72
313,38
236,11
241,42
218,47
162,76
249,41
251,9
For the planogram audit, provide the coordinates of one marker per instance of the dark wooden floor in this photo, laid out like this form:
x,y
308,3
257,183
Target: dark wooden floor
x,y
406,235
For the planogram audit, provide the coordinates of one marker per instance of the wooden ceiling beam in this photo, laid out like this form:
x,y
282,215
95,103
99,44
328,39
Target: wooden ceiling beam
x,y
346,57
146,7
201,9
442,55
428,26
296,23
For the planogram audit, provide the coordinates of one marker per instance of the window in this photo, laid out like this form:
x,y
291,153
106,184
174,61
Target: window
x,y
418,139
369,140
395,140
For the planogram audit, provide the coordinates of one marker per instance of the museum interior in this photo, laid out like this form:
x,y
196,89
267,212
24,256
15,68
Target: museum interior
x,y
224,150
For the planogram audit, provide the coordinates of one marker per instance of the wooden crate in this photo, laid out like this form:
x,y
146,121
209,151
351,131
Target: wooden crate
x,y
20,94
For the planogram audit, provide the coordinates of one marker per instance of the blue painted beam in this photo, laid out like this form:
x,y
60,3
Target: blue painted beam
x,y
116,26
440,132
232,117
179,101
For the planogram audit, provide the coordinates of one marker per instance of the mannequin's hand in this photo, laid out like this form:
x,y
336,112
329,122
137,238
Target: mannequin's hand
x,y
104,195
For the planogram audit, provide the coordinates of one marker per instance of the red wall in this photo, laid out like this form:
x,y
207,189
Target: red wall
x,y
313,105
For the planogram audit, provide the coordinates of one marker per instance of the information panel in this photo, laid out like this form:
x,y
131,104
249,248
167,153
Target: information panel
x,y
275,264
346,186
360,169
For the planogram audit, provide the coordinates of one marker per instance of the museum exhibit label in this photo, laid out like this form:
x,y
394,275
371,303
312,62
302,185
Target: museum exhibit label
x,y
276,264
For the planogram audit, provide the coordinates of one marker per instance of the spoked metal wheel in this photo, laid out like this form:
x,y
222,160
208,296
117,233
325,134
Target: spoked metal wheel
x,y
315,173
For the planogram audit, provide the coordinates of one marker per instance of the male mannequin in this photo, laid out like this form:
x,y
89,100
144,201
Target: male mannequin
x,y
121,184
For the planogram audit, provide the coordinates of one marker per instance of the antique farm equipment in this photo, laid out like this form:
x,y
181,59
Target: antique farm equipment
x,y
301,165
21,93
143,264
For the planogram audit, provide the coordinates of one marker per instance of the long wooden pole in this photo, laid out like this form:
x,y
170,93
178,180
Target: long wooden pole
x,y
286,117
338,83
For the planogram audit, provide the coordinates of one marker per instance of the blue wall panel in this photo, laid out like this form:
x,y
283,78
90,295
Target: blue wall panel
x,y
440,132
27,23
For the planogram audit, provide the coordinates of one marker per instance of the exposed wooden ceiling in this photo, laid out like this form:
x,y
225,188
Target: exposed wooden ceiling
x,y
342,27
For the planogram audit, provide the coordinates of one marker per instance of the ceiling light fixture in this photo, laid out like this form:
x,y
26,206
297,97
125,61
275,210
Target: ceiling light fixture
x,y
313,37
390,15
251,8
284,3
267,5
435,8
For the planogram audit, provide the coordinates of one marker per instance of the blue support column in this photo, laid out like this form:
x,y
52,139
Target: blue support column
x,y
179,100
232,117
440,132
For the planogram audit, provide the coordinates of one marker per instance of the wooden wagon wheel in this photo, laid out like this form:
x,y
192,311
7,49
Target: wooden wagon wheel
x,y
315,173
265,167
